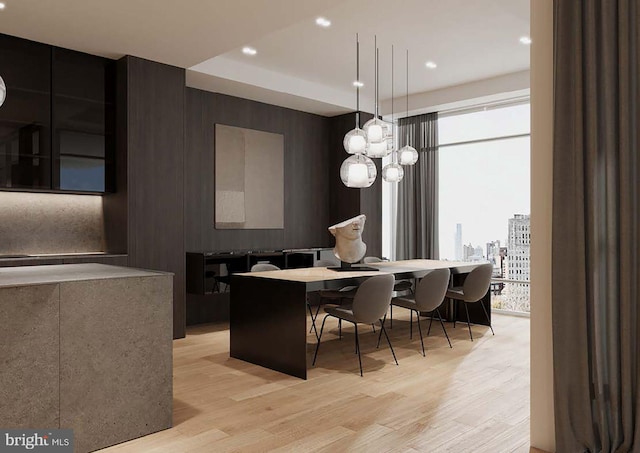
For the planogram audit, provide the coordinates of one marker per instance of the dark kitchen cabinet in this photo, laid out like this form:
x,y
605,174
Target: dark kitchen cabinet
x,y
83,89
25,116
57,124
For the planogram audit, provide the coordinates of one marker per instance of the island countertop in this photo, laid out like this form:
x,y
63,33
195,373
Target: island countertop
x,y
60,273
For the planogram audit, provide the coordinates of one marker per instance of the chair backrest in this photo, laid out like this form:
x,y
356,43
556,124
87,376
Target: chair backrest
x,y
325,263
263,267
373,298
431,289
477,283
371,259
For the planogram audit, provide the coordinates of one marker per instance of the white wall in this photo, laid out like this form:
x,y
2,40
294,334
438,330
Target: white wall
x,y
542,416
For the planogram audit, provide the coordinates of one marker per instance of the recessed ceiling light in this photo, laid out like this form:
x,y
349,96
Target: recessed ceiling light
x,y
525,40
358,84
431,65
2,5
249,50
323,22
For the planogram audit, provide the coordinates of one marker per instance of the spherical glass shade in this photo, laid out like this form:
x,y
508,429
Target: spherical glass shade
x,y
358,171
378,150
376,130
3,91
355,141
392,172
407,155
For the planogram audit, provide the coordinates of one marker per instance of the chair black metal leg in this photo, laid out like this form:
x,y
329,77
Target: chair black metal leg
x,y
380,335
442,324
358,348
313,321
430,322
388,341
339,329
313,318
374,328
411,324
487,315
390,318
468,321
455,312
420,330
315,356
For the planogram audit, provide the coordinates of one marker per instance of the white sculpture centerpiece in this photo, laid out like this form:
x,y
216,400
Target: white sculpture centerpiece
x,y
349,248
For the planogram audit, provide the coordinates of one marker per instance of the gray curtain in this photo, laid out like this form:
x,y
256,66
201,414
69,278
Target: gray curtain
x,y
417,226
596,200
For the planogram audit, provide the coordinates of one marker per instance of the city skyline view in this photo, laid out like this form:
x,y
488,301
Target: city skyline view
x,y
482,184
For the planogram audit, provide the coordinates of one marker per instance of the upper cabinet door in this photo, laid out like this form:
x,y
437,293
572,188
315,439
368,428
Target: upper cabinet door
x,y
83,121
25,116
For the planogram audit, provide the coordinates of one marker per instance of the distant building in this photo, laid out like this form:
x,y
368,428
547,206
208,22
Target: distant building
x,y
467,252
518,265
503,262
459,253
495,257
471,253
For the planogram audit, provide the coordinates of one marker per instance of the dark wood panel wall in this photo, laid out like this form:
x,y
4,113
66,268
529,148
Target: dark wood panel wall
x,y
346,202
153,143
306,172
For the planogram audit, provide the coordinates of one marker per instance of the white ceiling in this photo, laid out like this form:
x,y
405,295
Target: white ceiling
x,y
299,64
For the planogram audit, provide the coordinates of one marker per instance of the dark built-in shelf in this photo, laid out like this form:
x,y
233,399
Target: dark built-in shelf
x,y
209,272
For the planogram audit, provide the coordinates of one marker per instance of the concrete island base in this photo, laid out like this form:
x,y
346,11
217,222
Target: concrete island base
x,y
86,347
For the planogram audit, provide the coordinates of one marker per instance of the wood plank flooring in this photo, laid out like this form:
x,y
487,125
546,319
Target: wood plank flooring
x,y
472,398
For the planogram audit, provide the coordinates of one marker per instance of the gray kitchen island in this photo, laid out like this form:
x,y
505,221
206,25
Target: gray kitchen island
x,y
86,347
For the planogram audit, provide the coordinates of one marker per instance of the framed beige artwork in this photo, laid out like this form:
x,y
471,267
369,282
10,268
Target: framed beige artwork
x,y
249,179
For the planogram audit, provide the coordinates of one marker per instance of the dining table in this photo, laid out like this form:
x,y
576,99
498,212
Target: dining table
x,y
268,312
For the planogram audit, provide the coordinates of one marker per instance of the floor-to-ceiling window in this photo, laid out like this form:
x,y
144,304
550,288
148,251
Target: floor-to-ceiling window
x,y
484,195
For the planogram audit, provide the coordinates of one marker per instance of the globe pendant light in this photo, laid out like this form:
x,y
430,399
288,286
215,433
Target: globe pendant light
x,y
358,171
392,172
355,141
408,154
378,131
3,91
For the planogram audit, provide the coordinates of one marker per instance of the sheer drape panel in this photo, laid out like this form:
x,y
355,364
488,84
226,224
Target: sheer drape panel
x,y
595,225
417,205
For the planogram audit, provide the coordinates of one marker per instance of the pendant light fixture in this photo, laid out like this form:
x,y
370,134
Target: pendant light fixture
x,y
392,172
355,141
408,154
357,171
378,131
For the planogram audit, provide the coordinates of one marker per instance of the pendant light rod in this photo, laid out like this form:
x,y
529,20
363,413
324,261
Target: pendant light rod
x,y
407,114
393,141
407,82
357,81
375,75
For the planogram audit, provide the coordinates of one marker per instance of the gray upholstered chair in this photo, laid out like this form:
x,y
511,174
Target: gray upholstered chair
x,y
430,292
264,267
400,286
473,289
370,304
331,295
328,295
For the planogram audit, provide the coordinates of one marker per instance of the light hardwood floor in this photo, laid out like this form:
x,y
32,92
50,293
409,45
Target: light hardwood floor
x,y
472,398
